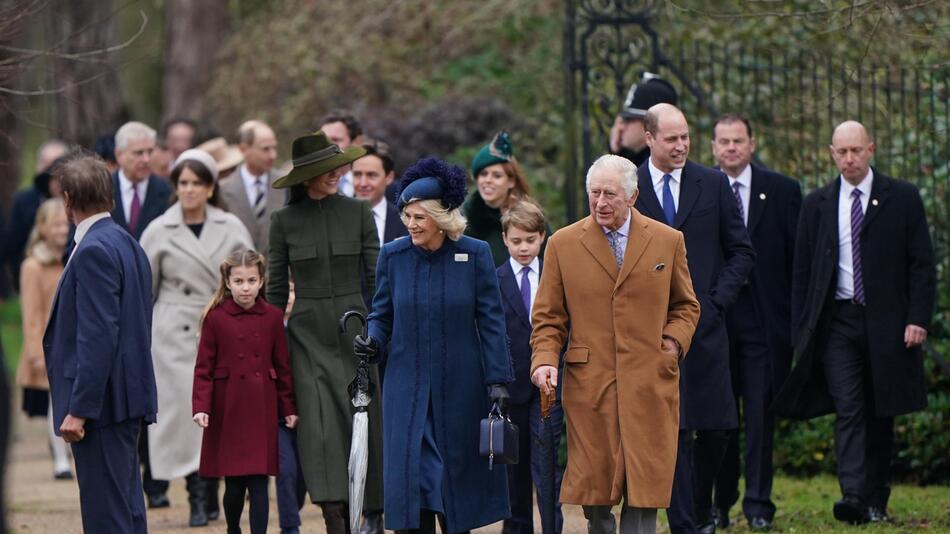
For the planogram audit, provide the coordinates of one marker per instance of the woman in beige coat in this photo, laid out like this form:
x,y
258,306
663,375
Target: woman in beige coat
x,y
39,276
185,246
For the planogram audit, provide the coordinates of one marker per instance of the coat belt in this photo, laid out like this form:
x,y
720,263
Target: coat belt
x,y
326,292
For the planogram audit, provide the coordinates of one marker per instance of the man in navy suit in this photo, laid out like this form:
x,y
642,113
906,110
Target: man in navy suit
x,y
698,201
139,195
758,323
523,231
98,353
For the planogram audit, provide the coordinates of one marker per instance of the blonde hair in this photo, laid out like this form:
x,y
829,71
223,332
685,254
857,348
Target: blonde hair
x,y
452,222
36,245
240,258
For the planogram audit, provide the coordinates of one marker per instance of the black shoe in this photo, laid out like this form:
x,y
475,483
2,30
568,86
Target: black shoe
x,y
721,517
63,475
877,514
851,510
707,528
760,524
197,500
158,500
372,523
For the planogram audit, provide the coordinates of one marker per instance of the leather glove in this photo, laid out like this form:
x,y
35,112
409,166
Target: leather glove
x,y
365,347
498,393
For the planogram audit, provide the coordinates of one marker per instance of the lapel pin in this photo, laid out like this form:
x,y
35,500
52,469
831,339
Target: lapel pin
x,y
874,201
762,196
659,267
461,257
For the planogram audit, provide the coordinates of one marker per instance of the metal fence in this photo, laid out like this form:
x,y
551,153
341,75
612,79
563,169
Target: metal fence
x,y
793,98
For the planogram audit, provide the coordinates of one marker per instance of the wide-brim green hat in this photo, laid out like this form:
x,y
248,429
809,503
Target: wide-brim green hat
x,y
314,155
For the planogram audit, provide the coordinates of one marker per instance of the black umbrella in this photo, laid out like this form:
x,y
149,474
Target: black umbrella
x,y
361,393
547,494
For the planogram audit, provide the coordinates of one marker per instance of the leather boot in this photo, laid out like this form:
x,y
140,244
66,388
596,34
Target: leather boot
x,y
336,517
197,493
214,506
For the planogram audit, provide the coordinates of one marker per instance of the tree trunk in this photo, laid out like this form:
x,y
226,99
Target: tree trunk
x,y
89,102
194,32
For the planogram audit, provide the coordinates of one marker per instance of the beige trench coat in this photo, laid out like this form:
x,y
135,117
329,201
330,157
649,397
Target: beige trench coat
x,y
620,388
184,277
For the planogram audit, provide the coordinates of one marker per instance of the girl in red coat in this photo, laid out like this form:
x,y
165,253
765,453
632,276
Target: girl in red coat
x,y
242,383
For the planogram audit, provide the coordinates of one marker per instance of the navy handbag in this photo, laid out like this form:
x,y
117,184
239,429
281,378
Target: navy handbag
x,y
498,438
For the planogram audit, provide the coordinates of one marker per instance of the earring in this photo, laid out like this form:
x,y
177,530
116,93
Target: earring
x,y
211,194
441,231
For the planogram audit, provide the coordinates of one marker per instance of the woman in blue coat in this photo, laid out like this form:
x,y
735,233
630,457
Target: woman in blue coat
x,y
438,310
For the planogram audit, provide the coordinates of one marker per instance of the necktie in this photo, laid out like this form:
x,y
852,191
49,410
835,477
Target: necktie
x,y
526,290
260,204
135,211
613,237
735,191
857,222
669,208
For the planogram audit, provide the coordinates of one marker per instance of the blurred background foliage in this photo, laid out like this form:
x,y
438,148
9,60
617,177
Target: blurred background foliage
x,y
440,78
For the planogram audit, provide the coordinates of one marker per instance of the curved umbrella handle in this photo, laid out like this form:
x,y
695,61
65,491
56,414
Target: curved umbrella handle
x,y
354,313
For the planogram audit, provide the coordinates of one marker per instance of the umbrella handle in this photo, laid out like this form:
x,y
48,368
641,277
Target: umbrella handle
x,y
354,313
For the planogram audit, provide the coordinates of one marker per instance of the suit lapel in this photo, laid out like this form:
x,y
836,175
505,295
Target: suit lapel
x,y
829,211
240,205
637,242
758,197
118,212
648,203
595,242
880,193
509,288
690,189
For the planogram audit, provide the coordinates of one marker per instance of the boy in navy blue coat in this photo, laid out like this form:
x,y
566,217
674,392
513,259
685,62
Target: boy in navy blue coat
x,y
523,227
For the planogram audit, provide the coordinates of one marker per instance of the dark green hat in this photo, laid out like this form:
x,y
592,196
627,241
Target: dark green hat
x,y
498,151
314,155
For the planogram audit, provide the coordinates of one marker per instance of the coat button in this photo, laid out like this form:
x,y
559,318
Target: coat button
x,y
242,377
187,292
258,373
187,328
241,355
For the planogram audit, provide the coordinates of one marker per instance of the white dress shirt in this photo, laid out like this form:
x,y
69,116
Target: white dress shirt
x,y
250,185
83,228
125,188
745,190
379,216
533,277
657,176
622,234
845,289
346,184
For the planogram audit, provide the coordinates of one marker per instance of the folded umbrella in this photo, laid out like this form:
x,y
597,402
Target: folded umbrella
x,y
361,394
547,496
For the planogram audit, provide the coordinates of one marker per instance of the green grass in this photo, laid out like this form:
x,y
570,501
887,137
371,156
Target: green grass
x,y
804,506
11,332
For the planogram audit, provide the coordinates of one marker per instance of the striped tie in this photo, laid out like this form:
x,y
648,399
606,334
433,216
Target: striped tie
x,y
857,222
260,203
735,190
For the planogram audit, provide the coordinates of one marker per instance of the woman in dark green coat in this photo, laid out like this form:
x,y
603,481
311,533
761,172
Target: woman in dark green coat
x,y
327,242
499,184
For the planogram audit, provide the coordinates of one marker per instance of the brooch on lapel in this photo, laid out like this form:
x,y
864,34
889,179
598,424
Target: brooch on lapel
x,y
659,266
461,257
762,196
874,201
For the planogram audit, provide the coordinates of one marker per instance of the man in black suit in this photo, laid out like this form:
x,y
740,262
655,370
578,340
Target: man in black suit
x,y
758,322
140,197
862,299
698,201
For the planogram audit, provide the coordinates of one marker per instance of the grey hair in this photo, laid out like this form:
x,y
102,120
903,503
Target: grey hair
x,y
47,145
133,130
452,222
618,164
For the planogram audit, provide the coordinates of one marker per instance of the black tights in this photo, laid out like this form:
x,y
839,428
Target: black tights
x,y
255,486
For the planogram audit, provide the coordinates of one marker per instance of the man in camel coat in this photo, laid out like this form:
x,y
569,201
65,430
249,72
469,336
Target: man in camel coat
x,y
616,289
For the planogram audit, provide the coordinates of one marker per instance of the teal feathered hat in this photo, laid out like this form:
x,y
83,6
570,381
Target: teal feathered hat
x,y
498,151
